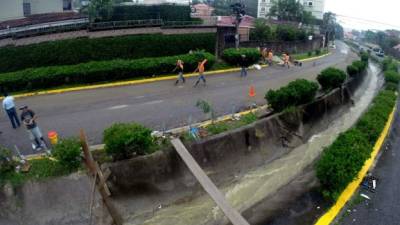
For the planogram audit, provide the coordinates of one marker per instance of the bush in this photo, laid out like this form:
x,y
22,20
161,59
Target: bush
x,y
341,162
75,51
318,52
389,64
361,66
391,86
68,153
352,70
286,33
364,57
122,140
297,92
7,164
309,54
50,77
331,78
234,56
392,76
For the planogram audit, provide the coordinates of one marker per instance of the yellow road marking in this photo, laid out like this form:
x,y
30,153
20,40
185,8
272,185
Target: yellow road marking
x,y
329,216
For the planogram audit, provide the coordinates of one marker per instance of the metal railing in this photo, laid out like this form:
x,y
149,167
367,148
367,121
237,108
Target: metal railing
x,y
124,24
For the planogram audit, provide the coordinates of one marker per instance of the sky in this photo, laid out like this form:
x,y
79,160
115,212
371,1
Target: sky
x,y
349,12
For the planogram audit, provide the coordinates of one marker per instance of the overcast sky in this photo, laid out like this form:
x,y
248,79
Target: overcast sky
x,y
384,11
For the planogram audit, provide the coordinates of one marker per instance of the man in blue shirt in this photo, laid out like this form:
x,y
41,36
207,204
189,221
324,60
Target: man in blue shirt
x,y
9,108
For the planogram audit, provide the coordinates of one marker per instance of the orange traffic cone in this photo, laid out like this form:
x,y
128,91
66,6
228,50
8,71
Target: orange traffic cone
x,y
252,91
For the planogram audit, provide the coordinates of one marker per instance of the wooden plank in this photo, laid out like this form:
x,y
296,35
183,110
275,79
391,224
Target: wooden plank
x,y
101,185
233,215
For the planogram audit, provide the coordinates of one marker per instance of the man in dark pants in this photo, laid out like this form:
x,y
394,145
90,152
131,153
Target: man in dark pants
x,y
9,107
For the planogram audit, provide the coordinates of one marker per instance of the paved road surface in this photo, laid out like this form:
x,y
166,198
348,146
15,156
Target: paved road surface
x,y
384,206
156,105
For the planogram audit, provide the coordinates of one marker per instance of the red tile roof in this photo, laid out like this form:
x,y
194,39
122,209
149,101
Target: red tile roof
x,y
229,21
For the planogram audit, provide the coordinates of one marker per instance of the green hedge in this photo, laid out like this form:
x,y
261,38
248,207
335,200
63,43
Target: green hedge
x,y
68,153
331,78
361,66
389,64
341,162
297,92
92,72
165,12
74,51
234,56
352,70
392,76
123,140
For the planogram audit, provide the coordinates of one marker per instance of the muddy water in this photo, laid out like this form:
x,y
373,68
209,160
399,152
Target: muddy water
x,y
249,189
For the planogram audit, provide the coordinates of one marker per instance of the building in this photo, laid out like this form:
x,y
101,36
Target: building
x,y
201,10
16,9
316,7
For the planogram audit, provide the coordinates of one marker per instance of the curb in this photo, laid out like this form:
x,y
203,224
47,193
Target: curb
x,y
136,82
171,131
351,188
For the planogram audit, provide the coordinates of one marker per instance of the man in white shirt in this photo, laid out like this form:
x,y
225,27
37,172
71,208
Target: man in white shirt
x,y
9,108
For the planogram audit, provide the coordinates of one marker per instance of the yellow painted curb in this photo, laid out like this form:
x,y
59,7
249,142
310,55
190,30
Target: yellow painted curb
x,y
120,83
135,82
314,58
328,217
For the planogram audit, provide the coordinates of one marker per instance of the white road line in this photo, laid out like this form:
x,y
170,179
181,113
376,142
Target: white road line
x,y
153,102
117,107
138,97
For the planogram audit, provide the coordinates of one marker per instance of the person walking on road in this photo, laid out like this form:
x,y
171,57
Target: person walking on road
x,y
286,58
179,68
243,65
270,57
29,119
200,68
9,108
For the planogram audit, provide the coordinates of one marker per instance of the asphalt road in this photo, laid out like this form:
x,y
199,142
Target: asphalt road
x,y
157,105
384,206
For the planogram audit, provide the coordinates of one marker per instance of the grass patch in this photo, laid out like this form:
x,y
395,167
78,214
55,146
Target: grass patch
x,y
224,126
41,169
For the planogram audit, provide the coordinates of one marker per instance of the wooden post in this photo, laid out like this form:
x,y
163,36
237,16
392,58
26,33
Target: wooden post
x,y
233,215
95,171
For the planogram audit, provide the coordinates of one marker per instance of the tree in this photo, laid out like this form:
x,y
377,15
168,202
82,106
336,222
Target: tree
x,y
288,10
291,10
261,31
339,31
100,10
328,26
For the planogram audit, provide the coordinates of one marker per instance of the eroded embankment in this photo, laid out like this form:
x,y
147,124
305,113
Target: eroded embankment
x,y
249,164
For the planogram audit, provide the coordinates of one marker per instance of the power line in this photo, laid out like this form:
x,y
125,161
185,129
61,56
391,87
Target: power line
x,y
368,20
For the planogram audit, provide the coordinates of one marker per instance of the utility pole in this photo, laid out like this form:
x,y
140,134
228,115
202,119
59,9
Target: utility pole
x,y
238,12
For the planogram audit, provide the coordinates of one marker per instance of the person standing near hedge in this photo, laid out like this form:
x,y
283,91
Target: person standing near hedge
x,y
243,65
29,119
270,57
200,68
179,68
286,58
9,108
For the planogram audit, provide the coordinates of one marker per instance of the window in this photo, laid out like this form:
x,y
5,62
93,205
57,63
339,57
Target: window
x,y
310,4
26,8
67,5
263,1
263,9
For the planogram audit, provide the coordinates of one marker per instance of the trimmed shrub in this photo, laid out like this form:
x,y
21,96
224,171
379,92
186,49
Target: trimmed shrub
x,y
391,86
68,153
318,52
389,64
7,164
49,77
331,78
361,66
123,140
309,54
297,92
352,70
364,57
392,76
75,51
286,33
234,56
340,162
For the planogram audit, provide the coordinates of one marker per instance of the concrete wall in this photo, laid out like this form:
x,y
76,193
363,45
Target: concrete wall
x,y
46,6
11,9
